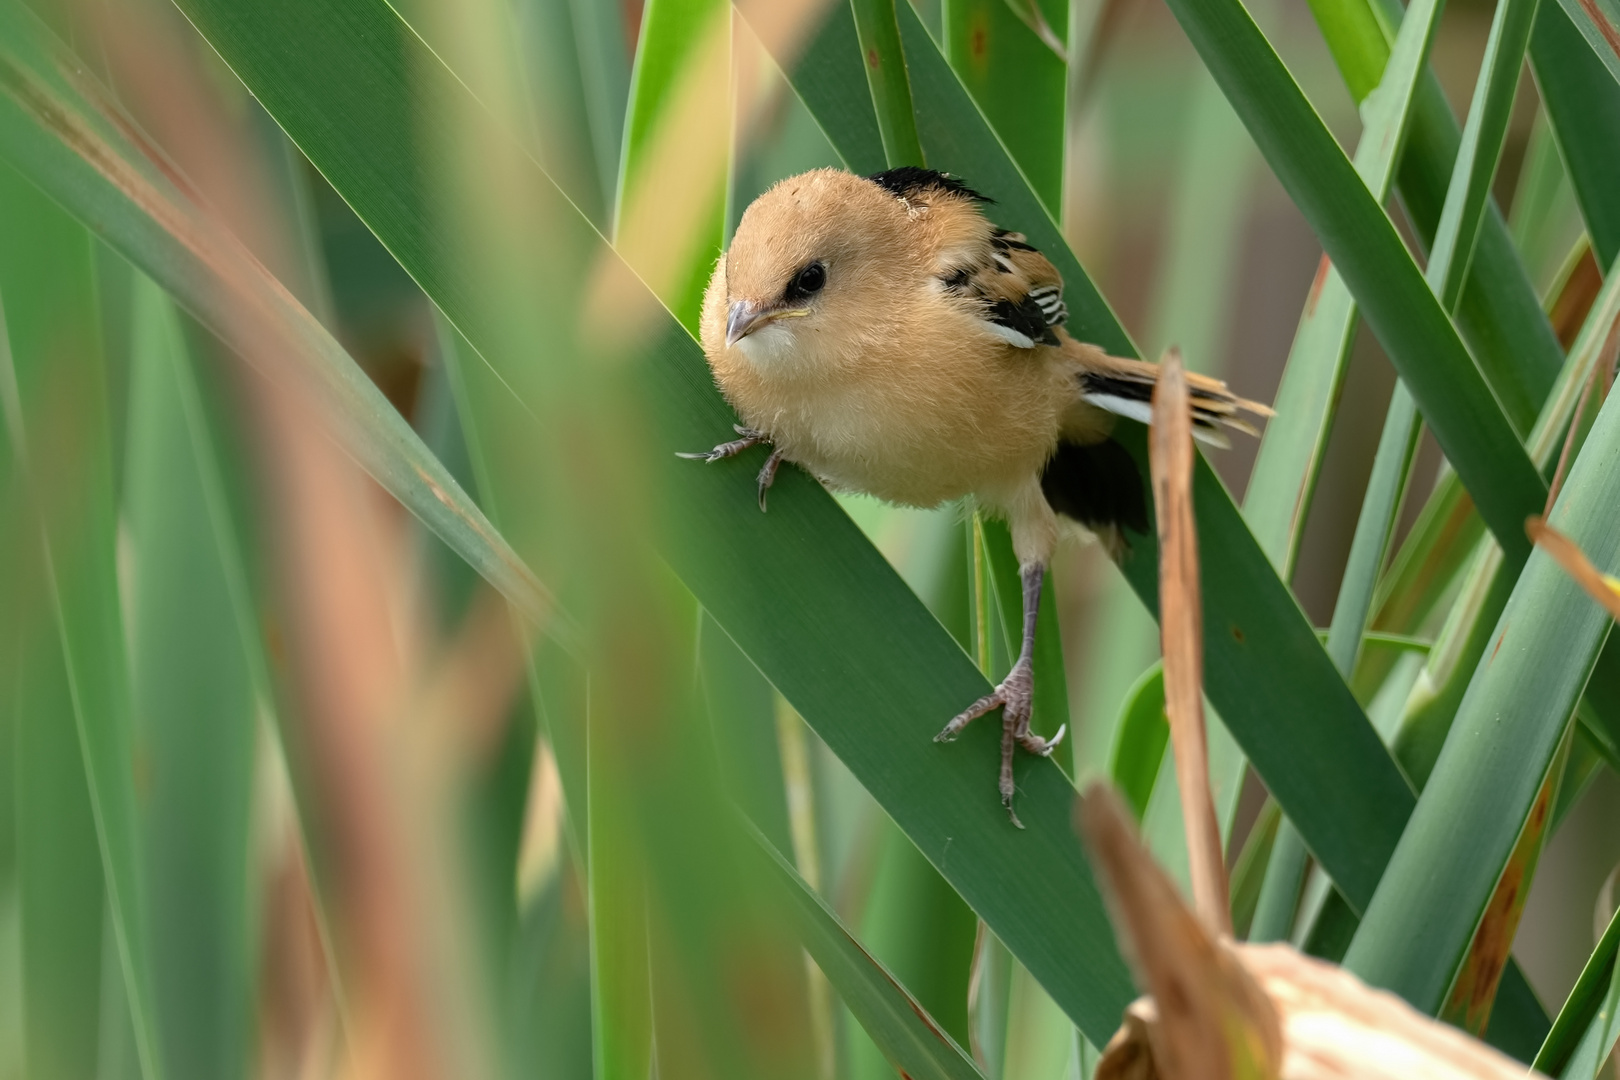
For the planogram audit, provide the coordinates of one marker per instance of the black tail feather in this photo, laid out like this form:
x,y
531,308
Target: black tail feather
x,y
1097,485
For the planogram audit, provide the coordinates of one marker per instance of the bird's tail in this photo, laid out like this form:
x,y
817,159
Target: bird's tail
x,y
1126,386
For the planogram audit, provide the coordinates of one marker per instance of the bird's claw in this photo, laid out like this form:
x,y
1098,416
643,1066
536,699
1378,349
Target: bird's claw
x,y
767,476
750,438
1016,698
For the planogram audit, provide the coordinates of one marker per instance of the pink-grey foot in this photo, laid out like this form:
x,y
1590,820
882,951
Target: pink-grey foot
x,y
1015,697
767,476
750,438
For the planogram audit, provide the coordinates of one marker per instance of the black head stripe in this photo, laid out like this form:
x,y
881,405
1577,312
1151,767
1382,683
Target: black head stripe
x,y
909,181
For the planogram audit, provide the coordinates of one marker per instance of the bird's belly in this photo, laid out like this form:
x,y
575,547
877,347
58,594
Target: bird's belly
x,y
910,459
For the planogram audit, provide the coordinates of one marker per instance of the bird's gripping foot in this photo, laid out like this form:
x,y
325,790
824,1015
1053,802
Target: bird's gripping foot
x,y
767,476
1015,698
750,438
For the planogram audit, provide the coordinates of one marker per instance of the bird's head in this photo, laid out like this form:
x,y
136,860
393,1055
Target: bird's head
x,y
808,256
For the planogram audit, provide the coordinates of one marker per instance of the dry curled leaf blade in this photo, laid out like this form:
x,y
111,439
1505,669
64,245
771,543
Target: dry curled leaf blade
x,y
1604,588
1206,1017
1216,1009
1181,628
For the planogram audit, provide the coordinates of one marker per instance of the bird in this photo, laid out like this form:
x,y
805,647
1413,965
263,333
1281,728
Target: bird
x,y
883,334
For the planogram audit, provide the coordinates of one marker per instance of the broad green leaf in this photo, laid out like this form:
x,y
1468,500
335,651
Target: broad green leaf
x,y
1140,736
1519,1023
1462,641
60,141
670,211
1474,806
623,1044
1583,106
1584,1033
1545,221
604,68
1164,827
1500,312
1453,251
1380,507
1285,471
1446,272
1470,190
1248,873
1191,308
898,675
908,1036
1427,563
1011,61
1599,23
1252,623
1582,769
58,870
196,707
1280,892
920,930
1470,1000
54,390
828,78
1456,402
549,996
878,30
742,710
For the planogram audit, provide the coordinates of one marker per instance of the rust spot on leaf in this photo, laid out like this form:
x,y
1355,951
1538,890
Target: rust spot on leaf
x,y
1316,286
1611,36
872,59
1237,633
1474,992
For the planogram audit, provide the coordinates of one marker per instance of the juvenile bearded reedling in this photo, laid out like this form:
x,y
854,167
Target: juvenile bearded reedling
x,y
882,334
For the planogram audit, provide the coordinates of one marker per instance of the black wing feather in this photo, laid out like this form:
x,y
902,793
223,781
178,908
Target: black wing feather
x,y
1097,485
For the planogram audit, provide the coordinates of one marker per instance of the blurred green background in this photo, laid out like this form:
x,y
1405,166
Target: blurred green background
x,y
288,789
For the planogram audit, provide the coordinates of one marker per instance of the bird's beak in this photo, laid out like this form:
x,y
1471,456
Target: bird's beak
x,y
744,319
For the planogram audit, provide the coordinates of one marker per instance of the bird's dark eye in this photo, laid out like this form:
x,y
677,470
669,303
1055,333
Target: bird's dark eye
x,y
807,282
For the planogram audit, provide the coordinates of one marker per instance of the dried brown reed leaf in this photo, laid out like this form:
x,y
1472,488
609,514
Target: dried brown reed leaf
x,y
1576,294
1220,1010
1603,588
1181,629
1205,1017
1602,370
347,669
1335,1027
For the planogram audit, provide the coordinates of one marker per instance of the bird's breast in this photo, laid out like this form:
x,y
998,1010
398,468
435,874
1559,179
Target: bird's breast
x,y
917,422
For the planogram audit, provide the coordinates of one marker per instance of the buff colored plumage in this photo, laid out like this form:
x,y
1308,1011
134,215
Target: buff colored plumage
x,y
884,335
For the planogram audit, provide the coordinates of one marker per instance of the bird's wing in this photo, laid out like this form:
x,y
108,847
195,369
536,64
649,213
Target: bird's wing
x,y
997,275
1011,286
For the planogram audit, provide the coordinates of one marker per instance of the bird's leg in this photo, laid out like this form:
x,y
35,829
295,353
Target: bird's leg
x,y
767,476
1015,696
750,438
